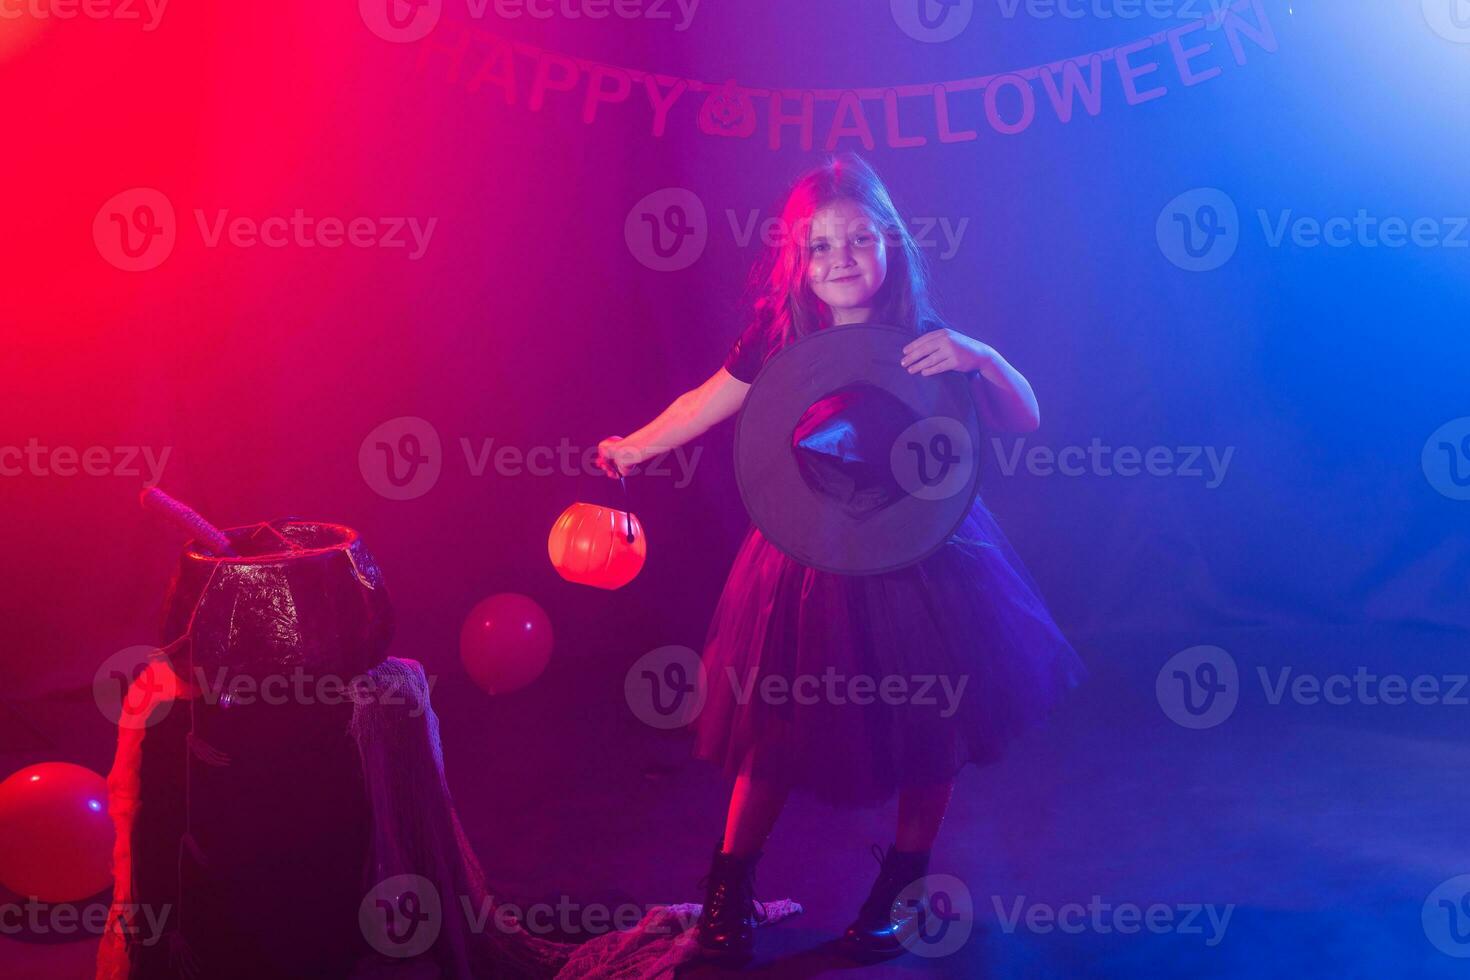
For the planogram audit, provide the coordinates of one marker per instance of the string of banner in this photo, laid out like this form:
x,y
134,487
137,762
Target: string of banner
x,y
729,109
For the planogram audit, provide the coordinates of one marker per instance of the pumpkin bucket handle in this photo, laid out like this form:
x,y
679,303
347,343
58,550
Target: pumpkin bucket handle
x,y
627,506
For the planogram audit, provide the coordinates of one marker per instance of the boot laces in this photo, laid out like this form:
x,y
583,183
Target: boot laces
x,y
886,887
748,880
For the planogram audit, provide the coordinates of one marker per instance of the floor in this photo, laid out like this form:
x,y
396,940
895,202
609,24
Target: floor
x,y
1292,839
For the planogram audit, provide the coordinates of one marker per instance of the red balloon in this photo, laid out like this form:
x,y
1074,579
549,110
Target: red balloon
x,y
505,642
597,546
55,833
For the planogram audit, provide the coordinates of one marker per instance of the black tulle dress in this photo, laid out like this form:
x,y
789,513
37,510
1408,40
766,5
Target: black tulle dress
x,y
851,687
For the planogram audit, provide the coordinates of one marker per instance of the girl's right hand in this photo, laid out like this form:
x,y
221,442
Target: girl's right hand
x,y
614,458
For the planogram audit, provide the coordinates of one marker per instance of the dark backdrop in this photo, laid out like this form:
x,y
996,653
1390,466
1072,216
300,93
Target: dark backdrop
x,y
529,319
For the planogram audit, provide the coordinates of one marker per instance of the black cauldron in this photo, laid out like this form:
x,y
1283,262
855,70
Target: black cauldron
x,y
298,596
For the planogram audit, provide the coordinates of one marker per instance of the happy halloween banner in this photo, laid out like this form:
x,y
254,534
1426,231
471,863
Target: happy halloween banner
x,y
899,116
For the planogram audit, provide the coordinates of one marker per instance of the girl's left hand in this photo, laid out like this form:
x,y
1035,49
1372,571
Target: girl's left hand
x,y
945,350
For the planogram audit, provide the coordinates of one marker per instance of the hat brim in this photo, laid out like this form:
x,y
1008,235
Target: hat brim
x,y
811,528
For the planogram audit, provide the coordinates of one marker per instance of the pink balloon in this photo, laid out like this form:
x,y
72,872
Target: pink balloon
x,y
505,642
55,833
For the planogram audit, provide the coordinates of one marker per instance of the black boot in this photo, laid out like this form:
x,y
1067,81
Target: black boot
x,y
726,927
884,925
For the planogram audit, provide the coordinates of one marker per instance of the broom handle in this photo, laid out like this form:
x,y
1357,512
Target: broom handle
x,y
187,518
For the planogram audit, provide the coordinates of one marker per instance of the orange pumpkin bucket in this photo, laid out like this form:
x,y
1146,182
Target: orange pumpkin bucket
x,y
597,546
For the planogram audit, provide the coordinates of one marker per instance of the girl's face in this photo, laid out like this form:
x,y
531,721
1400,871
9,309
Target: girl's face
x,y
846,260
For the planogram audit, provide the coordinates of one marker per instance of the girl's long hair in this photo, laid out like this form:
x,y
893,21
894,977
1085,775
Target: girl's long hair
x,y
783,297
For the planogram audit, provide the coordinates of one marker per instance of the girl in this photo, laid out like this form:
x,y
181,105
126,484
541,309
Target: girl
x,y
968,614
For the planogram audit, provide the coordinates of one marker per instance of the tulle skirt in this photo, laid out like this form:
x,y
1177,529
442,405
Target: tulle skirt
x,y
852,687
